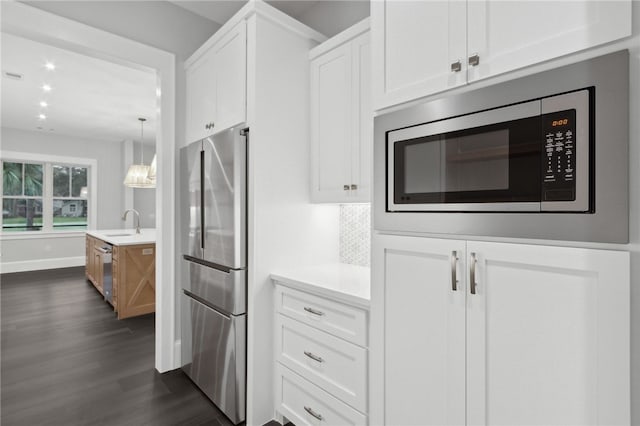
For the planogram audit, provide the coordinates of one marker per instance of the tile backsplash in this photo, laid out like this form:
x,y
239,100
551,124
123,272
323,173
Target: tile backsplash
x,y
355,234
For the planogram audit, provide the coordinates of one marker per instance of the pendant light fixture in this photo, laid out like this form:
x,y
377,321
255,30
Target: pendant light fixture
x,y
138,174
152,170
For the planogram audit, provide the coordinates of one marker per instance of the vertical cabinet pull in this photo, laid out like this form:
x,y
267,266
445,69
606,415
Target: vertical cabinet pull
x,y
313,413
472,273
454,264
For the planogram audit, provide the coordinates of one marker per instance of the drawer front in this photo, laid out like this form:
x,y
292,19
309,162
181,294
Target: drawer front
x,y
344,321
303,403
336,366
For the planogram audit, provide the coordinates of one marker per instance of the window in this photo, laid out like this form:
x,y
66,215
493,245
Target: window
x,y
21,196
44,196
69,208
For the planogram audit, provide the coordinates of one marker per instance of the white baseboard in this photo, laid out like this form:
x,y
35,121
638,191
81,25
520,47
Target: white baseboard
x,y
39,264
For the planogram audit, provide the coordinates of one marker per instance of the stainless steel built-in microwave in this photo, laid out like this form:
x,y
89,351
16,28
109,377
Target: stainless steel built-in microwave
x,y
529,157
543,156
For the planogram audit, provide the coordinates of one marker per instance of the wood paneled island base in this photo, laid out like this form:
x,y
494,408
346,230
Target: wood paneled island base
x,y
133,272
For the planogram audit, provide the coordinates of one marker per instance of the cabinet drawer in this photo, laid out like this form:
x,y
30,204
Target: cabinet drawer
x,y
346,322
303,403
337,366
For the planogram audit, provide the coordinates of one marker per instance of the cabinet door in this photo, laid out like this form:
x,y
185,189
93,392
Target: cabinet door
x,y
507,35
331,123
89,257
231,78
415,44
201,97
97,268
548,336
362,126
423,330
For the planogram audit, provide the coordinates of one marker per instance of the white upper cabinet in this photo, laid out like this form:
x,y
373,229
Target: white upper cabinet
x,y
507,35
510,334
342,118
231,78
421,48
201,98
216,86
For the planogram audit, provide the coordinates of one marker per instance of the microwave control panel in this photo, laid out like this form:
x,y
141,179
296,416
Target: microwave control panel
x,y
559,156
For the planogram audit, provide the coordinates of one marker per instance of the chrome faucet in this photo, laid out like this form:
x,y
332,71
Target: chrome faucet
x,y
124,217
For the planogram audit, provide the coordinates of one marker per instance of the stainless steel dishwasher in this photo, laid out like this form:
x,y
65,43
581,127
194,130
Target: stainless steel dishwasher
x,y
106,258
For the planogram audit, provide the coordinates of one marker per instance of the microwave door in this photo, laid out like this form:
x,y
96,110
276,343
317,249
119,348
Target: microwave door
x,y
192,197
486,161
224,199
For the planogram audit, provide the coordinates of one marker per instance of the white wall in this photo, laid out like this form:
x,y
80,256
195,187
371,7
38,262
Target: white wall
x,y
332,17
159,24
29,253
154,23
144,199
107,155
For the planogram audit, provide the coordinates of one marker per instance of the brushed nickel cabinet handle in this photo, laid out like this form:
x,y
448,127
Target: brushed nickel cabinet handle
x,y
313,357
456,66
313,311
354,186
346,187
472,273
313,413
454,264
474,60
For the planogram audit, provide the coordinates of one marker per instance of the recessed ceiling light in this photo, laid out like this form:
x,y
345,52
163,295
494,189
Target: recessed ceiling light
x,y
43,104
42,117
50,66
46,87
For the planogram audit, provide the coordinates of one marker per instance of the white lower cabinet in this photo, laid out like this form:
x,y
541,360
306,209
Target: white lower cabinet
x,y
480,333
322,361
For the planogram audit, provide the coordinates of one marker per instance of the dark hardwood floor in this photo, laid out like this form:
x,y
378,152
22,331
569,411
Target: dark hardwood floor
x,y
67,360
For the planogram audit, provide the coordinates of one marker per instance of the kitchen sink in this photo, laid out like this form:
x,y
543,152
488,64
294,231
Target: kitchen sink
x,y
119,235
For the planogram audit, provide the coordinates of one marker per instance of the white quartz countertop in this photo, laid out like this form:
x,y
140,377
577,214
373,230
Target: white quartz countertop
x,y
125,237
346,283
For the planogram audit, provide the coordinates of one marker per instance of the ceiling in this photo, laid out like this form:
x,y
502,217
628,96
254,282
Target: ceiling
x,y
220,11
90,98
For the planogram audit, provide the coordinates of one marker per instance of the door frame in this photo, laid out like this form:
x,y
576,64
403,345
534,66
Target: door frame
x,y
35,24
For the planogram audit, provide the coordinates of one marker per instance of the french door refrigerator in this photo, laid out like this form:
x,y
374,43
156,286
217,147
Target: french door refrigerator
x,y
214,298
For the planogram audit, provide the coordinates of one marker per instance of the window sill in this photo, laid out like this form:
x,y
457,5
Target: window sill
x,y
30,235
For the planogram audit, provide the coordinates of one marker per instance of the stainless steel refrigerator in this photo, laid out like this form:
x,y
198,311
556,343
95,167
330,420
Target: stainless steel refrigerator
x,y
214,298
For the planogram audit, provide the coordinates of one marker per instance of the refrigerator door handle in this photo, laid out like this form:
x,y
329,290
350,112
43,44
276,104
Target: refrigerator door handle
x,y
221,268
202,213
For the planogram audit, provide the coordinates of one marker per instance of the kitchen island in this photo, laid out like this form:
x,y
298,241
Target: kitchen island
x,y
121,265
